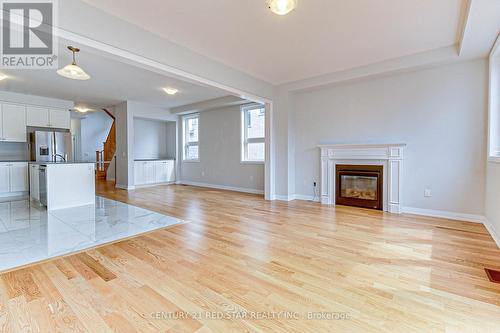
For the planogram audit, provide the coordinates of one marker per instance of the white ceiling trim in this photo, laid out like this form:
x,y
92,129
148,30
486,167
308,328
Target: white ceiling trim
x,y
415,61
152,64
465,21
217,103
495,50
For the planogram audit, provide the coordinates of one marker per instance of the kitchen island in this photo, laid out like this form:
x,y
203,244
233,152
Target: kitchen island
x,y
62,185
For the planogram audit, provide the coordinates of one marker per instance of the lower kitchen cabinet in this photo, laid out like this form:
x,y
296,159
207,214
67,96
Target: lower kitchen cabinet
x,y
154,172
13,178
34,182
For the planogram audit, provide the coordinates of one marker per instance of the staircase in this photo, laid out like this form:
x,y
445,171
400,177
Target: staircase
x,y
105,156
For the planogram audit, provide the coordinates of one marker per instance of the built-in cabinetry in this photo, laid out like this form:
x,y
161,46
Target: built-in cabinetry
x,y
34,182
47,117
12,123
154,172
15,117
13,178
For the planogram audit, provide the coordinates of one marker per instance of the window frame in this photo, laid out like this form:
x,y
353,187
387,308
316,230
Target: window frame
x,y
185,142
245,140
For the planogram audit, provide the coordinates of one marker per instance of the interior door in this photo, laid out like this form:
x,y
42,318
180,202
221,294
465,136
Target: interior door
x,y
14,123
19,177
4,178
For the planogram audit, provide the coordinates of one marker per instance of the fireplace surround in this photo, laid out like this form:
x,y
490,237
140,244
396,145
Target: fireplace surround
x,y
388,156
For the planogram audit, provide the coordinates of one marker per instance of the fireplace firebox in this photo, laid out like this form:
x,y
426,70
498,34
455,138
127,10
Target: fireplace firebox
x,y
359,186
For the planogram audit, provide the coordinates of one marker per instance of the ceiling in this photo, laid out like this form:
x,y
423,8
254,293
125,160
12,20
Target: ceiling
x,y
319,37
112,82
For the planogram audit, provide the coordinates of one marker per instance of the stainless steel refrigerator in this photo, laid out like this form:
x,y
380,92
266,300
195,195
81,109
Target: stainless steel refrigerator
x,y
50,146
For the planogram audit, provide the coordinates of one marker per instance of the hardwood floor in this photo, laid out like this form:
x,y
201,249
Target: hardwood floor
x,y
378,272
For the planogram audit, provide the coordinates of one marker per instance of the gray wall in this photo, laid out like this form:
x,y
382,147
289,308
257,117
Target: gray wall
x,y
13,151
440,113
220,151
150,139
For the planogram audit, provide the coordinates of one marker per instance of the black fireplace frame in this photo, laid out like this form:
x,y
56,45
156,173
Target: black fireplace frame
x,y
359,170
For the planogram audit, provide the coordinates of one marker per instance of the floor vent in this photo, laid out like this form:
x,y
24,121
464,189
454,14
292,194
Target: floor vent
x,y
493,275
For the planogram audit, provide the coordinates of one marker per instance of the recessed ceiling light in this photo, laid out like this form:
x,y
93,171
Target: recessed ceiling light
x,y
282,7
72,71
3,77
82,109
171,91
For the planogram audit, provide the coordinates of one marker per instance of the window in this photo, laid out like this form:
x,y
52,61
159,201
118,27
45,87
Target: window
x,y
253,133
191,145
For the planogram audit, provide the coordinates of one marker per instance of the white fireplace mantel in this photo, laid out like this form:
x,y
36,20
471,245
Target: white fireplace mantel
x,y
390,156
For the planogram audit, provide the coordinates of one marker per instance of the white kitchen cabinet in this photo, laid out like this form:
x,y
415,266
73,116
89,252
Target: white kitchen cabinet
x,y
45,117
149,173
13,177
139,173
13,119
37,116
4,178
19,177
34,182
161,171
59,118
154,172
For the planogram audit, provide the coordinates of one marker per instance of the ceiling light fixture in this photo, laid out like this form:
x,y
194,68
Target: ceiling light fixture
x,y
282,7
82,109
171,91
72,71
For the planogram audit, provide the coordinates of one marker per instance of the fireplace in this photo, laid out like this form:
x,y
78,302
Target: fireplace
x,y
359,186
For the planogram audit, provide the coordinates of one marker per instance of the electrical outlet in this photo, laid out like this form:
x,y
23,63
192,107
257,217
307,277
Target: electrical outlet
x,y
427,193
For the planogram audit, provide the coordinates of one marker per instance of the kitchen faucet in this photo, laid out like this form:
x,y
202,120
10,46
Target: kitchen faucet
x,y
55,156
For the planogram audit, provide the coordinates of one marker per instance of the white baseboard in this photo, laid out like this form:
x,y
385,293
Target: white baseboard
x,y
124,187
284,197
444,214
296,197
154,184
221,187
494,232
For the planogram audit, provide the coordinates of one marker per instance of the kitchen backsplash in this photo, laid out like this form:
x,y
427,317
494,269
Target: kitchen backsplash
x,y
13,151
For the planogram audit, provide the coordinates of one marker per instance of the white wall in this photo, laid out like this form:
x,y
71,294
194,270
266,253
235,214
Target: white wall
x,y
220,152
94,132
151,139
440,113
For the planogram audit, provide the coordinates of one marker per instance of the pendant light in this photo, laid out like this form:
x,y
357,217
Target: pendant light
x,y
73,71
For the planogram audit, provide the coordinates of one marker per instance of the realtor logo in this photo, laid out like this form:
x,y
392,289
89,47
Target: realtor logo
x,y
28,39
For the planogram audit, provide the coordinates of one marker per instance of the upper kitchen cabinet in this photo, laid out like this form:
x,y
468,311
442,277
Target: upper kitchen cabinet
x,y
44,117
59,118
37,117
13,123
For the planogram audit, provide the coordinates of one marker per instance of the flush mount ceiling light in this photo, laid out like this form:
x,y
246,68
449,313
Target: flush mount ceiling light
x,y
282,7
82,109
171,91
72,71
